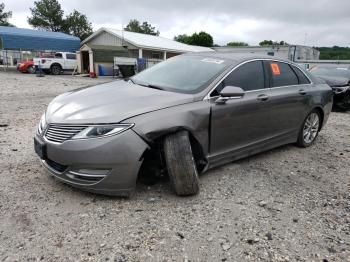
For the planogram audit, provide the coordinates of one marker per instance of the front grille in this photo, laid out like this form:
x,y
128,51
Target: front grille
x,y
59,133
56,166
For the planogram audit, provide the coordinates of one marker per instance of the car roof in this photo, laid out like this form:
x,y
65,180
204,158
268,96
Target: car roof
x,y
233,57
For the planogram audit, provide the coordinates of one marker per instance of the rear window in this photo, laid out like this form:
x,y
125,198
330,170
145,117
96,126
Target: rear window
x,y
303,80
282,75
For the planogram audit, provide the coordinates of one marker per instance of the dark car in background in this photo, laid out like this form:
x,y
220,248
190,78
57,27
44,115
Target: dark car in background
x,y
187,114
338,78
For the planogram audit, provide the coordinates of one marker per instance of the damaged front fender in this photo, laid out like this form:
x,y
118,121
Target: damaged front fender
x,y
193,117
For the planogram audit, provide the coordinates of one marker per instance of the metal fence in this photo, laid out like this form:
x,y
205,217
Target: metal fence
x,y
9,58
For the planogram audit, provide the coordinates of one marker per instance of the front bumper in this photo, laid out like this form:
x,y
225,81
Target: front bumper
x,y
120,155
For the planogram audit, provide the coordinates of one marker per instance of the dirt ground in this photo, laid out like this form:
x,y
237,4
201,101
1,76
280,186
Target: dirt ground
x,y
288,204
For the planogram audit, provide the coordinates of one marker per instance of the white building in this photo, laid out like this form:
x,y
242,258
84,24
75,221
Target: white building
x,y
289,52
106,43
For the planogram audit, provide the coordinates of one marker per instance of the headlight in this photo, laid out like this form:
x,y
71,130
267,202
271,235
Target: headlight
x,y
102,131
340,90
42,124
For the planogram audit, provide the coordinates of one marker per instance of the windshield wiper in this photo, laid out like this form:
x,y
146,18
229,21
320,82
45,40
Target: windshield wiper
x,y
150,86
130,79
155,87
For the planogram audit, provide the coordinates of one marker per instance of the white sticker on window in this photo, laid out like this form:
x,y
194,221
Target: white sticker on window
x,y
211,60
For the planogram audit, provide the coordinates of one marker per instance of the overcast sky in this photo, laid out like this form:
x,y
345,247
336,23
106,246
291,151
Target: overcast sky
x,y
317,23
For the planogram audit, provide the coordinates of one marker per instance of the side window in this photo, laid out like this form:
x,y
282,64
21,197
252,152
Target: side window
x,y
303,80
249,76
282,75
71,56
58,55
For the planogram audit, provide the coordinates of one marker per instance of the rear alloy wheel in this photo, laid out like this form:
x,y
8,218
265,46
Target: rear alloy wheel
x,y
180,164
310,129
31,70
56,70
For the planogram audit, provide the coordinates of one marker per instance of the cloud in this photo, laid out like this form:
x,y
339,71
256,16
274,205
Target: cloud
x,y
324,22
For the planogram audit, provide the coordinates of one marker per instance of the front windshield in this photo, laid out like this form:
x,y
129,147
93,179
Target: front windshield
x,y
183,74
332,72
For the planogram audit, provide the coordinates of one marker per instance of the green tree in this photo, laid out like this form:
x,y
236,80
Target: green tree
x,y
266,42
183,39
270,42
200,39
48,15
144,28
4,16
78,25
234,44
334,53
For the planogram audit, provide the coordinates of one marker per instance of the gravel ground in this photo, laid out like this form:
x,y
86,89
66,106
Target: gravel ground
x,y
288,204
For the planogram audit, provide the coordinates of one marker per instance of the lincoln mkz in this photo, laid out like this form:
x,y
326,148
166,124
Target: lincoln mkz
x,y
185,115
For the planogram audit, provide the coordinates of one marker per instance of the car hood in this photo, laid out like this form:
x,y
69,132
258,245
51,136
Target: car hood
x,y
110,103
334,81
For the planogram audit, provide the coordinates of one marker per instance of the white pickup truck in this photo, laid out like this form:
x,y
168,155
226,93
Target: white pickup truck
x,y
59,62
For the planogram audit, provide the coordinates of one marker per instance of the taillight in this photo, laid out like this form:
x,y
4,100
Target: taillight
x,y
43,61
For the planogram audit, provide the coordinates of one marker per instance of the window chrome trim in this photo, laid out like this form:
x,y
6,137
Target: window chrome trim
x,y
208,97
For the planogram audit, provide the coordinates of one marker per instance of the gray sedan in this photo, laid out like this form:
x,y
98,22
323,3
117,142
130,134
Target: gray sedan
x,y
185,115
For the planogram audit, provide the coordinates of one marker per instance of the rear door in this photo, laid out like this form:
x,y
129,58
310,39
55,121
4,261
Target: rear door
x,y
290,97
242,122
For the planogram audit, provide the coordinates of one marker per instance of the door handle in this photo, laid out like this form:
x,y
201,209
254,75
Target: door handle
x,y
302,92
262,97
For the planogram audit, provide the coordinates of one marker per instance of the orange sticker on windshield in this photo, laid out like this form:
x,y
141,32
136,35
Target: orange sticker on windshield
x,y
275,69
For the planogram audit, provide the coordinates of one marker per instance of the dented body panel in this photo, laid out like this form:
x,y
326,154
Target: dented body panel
x,y
194,117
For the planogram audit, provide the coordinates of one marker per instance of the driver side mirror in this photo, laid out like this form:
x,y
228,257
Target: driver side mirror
x,y
230,92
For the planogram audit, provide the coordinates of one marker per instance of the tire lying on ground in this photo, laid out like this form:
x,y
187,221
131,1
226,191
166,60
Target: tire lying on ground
x,y
180,164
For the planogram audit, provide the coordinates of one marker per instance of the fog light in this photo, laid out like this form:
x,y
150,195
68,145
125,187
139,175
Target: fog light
x,y
95,172
88,174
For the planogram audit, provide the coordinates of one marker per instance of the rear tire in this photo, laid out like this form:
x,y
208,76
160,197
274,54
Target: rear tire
x,y
180,164
56,70
309,129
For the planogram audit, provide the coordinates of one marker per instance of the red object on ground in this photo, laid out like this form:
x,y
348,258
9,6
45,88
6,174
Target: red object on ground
x,y
93,75
26,67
